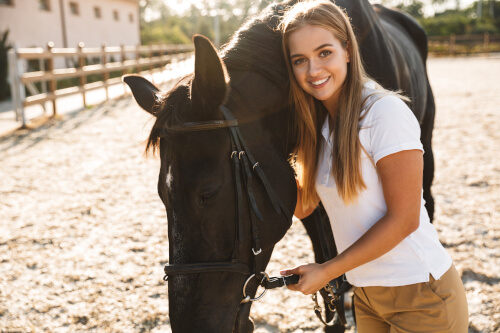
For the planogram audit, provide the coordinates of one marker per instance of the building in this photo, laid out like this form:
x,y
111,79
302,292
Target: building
x,y
33,23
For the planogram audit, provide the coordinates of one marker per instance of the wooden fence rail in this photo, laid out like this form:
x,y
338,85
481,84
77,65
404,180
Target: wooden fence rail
x,y
34,70
464,44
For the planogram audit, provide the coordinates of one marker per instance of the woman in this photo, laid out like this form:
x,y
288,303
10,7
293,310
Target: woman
x,y
359,152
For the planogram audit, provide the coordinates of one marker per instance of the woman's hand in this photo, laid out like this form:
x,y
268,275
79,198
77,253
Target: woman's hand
x,y
313,277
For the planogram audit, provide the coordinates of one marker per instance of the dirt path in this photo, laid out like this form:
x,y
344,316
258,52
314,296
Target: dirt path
x,y
83,235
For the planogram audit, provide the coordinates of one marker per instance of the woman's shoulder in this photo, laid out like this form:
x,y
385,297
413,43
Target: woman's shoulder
x,y
388,103
379,103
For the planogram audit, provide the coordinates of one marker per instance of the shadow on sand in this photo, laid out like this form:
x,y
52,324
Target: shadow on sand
x,y
46,126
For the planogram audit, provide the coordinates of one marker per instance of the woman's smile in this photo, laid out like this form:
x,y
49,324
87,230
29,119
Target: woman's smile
x,y
319,83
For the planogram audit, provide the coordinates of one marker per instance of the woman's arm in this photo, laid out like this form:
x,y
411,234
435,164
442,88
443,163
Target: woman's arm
x,y
401,177
299,212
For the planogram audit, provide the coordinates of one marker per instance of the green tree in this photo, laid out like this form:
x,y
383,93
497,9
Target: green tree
x,y
414,8
166,27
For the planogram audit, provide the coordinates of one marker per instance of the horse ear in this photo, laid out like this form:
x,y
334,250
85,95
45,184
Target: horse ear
x,y
210,75
145,93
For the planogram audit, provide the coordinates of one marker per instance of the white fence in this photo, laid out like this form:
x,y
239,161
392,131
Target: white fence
x,y
35,79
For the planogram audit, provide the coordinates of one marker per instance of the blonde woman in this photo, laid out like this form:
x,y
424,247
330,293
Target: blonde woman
x,y
359,152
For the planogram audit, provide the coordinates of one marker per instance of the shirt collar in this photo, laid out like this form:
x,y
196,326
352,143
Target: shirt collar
x,y
325,130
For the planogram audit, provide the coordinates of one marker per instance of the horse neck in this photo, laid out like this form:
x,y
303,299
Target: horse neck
x,y
363,17
255,98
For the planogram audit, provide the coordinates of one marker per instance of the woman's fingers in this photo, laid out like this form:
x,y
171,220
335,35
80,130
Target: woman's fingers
x,y
297,270
310,278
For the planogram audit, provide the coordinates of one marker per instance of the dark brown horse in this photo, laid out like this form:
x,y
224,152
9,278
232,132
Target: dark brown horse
x,y
217,206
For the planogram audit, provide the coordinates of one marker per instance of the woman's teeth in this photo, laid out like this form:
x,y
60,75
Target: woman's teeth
x,y
317,83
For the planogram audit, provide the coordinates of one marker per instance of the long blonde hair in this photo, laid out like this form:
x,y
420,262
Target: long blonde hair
x,y
346,154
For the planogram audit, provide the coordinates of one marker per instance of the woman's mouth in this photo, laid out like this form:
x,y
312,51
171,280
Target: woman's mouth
x,y
319,83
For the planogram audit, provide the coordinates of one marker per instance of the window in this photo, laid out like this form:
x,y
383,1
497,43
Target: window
x,y
115,15
7,2
74,9
131,17
97,12
43,5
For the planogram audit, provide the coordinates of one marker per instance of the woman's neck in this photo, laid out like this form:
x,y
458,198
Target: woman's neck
x,y
332,104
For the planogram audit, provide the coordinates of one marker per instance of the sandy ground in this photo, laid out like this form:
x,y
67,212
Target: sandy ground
x,y
83,234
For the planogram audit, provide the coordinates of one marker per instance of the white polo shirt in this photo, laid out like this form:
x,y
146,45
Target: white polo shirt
x,y
388,127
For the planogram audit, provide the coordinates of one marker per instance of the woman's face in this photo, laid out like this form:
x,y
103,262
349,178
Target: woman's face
x,y
319,63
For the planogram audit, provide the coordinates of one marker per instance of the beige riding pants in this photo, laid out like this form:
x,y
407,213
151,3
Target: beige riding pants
x,y
431,307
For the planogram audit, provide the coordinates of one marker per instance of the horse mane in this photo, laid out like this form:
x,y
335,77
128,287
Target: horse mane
x,y
256,47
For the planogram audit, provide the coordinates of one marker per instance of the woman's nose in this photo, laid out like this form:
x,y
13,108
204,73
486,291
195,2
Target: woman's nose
x,y
314,68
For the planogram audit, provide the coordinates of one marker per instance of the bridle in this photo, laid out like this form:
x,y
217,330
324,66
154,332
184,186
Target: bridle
x,y
244,167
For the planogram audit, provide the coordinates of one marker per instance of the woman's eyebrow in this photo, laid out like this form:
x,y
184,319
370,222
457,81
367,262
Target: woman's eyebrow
x,y
322,46
316,49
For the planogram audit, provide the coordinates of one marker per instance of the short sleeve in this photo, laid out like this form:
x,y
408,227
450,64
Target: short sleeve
x,y
393,128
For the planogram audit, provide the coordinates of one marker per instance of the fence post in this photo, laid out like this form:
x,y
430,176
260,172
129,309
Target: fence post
x,y
150,64
16,86
124,58
83,77
138,68
43,84
52,82
487,42
105,75
452,44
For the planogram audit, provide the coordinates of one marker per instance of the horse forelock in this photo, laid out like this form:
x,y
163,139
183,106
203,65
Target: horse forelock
x,y
169,110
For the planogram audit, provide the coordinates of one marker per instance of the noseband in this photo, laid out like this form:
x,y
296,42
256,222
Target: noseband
x,y
244,167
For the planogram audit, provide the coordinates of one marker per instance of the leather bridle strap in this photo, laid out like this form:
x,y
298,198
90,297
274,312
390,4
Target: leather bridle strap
x,y
204,125
206,267
277,203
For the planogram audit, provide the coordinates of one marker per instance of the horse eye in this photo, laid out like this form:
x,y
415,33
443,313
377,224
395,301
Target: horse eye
x,y
209,195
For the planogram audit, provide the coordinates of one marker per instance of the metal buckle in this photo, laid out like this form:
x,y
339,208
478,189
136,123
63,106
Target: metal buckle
x,y
233,153
247,298
255,165
317,310
256,252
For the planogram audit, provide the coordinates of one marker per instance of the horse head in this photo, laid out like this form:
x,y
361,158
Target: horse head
x,y
199,187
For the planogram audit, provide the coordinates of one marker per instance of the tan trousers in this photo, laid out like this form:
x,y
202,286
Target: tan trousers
x,y
430,307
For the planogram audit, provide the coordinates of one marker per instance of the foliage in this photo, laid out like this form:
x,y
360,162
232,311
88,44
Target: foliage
x,y
170,28
415,8
458,21
4,49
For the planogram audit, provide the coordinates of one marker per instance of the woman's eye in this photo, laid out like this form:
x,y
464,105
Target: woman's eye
x,y
325,53
298,61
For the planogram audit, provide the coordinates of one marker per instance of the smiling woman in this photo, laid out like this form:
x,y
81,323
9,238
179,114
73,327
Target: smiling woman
x,y
359,152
